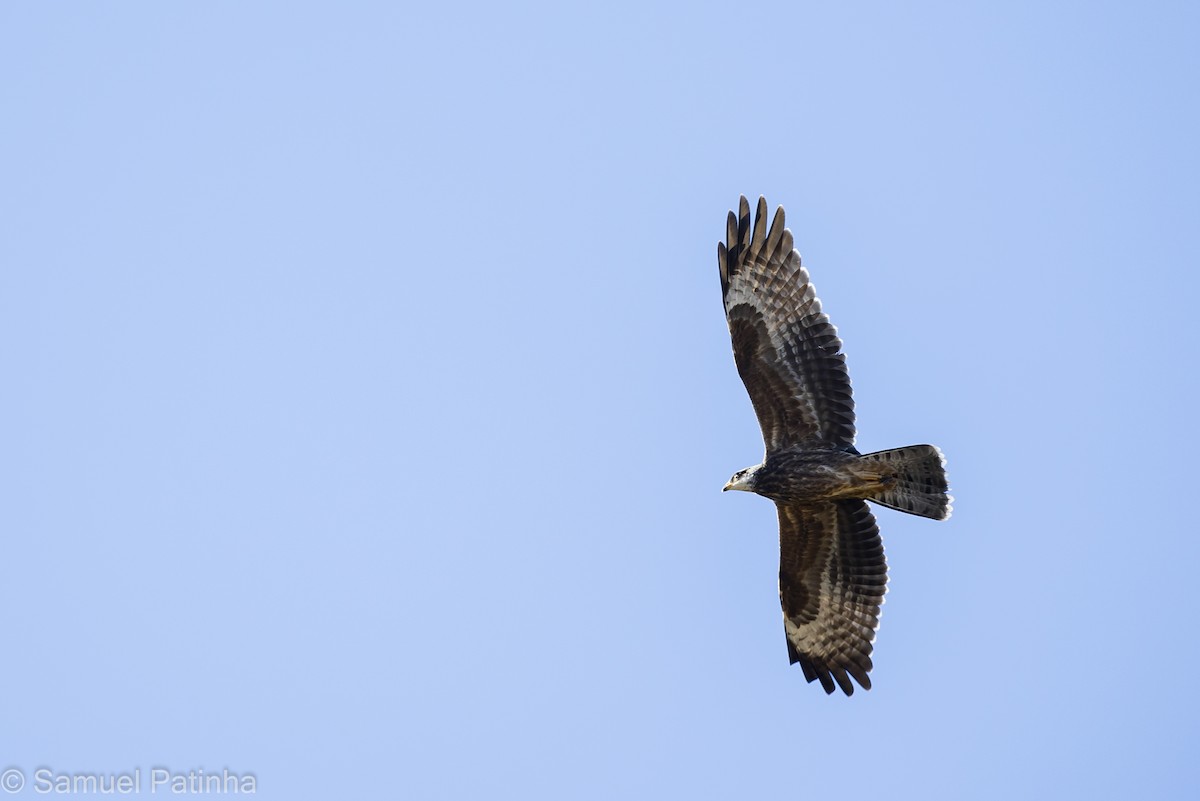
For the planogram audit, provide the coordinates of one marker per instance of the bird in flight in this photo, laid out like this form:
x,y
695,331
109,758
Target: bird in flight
x,y
832,571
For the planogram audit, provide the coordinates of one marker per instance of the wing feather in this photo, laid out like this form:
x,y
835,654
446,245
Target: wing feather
x,y
832,579
787,352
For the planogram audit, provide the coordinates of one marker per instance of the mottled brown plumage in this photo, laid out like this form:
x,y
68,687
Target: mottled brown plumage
x,y
832,571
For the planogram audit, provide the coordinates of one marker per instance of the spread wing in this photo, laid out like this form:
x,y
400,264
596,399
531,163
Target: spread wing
x,y
787,351
832,578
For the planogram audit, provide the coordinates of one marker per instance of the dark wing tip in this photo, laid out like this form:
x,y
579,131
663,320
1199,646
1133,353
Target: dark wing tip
x,y
760,225
723,265
826,680
739,240
859,674
832,676
743,224
843,680
818,672
775,235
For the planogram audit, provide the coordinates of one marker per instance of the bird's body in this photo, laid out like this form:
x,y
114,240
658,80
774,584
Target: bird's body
x,y
811,475
832,573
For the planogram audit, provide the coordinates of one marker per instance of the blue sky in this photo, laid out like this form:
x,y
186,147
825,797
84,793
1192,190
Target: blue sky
x,y
369,396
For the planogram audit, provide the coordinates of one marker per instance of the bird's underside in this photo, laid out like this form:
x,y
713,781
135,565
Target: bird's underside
x,y
832,572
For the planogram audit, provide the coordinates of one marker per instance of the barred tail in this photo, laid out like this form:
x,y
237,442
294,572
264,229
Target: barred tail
x,y
916,481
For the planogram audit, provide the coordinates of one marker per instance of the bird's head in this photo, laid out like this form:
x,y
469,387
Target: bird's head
x,y
743,479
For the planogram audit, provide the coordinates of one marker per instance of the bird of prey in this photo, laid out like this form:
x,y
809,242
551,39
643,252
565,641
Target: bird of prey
x,y
832,572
